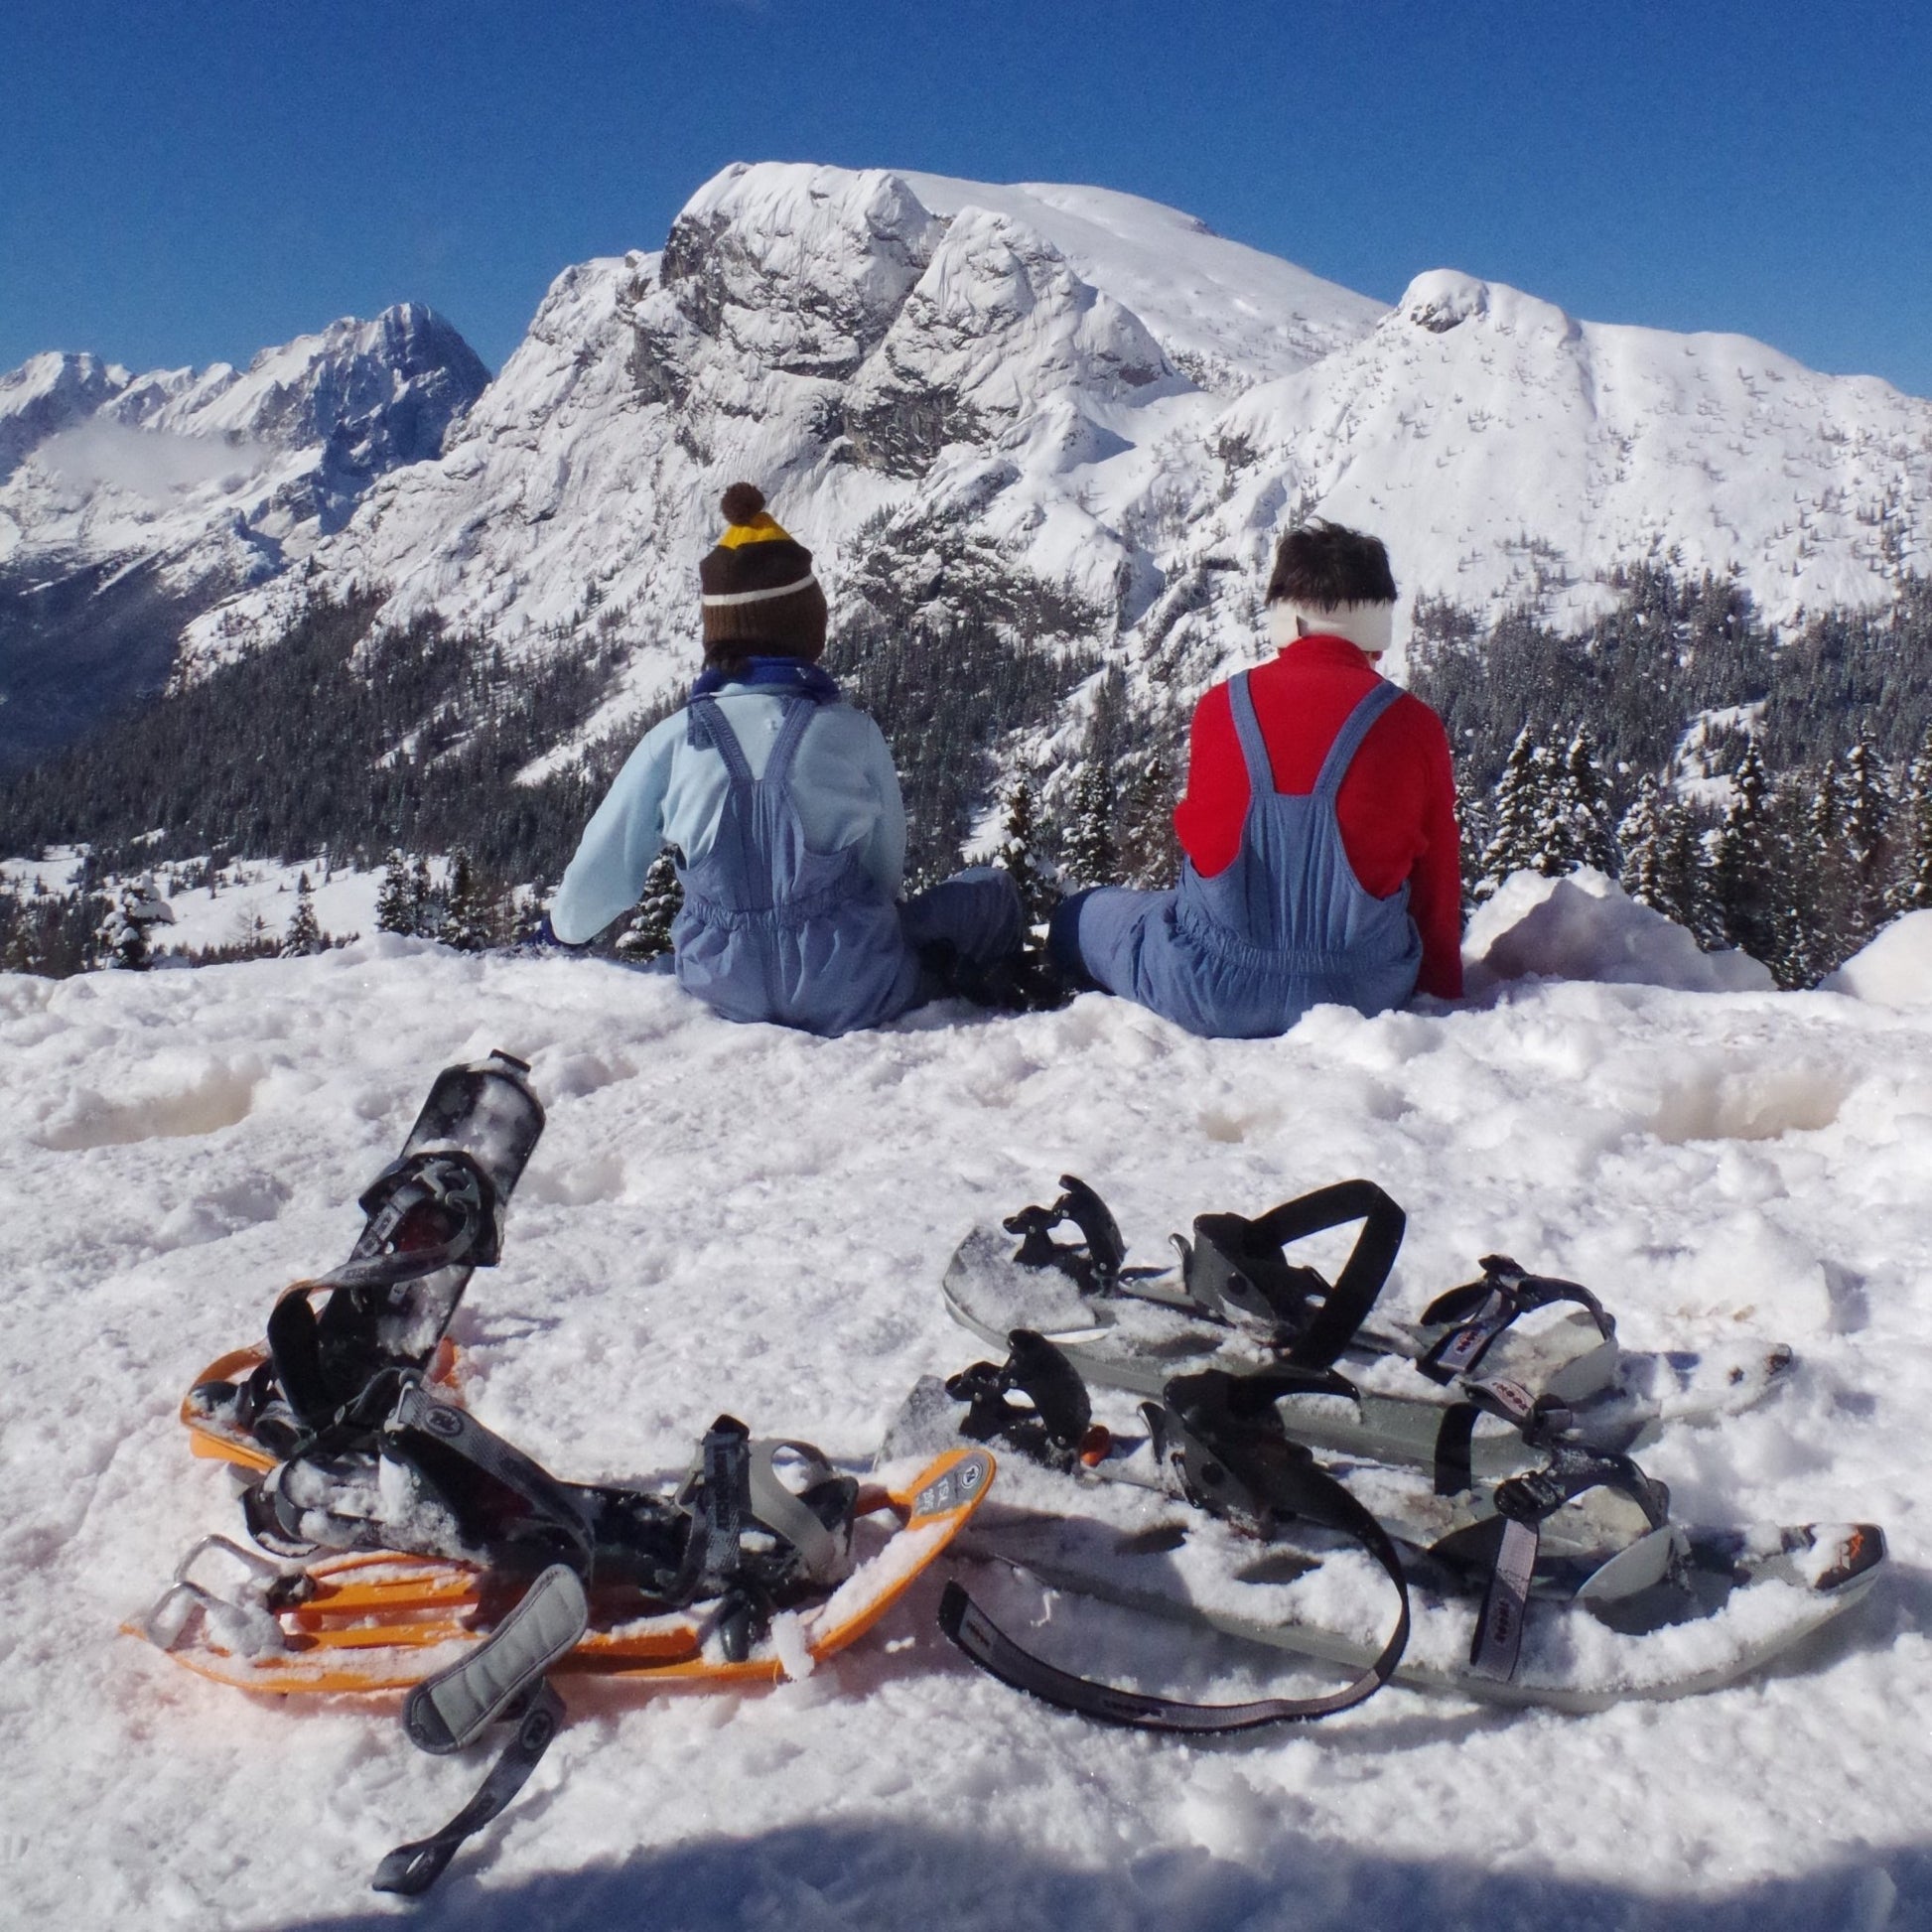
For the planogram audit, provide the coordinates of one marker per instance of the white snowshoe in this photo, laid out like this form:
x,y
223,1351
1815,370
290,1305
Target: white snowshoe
x,y
1236,1301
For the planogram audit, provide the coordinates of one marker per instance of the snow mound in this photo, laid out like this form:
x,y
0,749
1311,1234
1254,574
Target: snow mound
x,y
1584,927
1895,970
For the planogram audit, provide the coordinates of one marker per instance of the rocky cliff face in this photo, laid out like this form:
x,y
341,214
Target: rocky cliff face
x,y
129,505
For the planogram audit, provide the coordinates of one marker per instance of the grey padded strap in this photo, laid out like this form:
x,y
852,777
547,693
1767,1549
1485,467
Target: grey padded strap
x,y
445,1712
1247,727
1348,741
823,1554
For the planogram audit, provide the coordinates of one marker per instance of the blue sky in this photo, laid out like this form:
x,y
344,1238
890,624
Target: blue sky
x,y
187,179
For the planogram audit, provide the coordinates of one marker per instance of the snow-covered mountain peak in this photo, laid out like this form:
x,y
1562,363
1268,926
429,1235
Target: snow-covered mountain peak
x,y
1443,299
127,504
802,267
46,394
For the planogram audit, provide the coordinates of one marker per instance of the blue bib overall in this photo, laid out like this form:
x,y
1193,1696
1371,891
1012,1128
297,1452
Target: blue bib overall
x,y
770,929
1285,927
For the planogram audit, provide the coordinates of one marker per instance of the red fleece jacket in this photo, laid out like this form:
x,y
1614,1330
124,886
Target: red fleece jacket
x,y
1397,808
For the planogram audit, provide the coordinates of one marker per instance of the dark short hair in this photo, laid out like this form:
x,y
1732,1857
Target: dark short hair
x,y
1322,565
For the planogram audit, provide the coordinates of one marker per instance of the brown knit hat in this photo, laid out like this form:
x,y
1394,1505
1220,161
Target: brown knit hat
x,y
759,595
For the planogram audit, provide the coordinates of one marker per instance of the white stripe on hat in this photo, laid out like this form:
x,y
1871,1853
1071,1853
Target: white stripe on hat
x,y
717,601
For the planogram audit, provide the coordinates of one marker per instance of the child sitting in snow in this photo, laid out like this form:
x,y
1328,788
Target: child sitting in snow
x,y
782,806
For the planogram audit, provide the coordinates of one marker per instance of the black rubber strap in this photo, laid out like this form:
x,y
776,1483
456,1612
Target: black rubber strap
x,y
1348,1302
969,1627
410,1870
1320,1338
1482,1310
1454,1449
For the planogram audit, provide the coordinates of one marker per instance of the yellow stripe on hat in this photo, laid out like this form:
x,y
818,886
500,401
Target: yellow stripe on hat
x,y
763,529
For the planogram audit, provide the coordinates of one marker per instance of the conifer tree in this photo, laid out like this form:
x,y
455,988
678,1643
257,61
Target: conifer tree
x,y
304,936
425,908
395,905
1913,886
1867,815
121,941
648,936
1148,852
466,921
1585,795
1517,816
1020,853
1089,856
1747,873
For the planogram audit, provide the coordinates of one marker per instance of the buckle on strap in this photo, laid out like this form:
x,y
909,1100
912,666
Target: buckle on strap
x,y
1483,1310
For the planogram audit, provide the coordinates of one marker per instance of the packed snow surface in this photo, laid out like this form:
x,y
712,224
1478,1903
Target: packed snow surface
x,y
746,1219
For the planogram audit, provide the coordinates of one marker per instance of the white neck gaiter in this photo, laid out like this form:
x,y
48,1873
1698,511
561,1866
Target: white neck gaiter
x,y
1368,626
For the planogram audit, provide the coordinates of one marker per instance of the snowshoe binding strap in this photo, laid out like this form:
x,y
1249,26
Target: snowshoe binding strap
x,y
739,1502
1095,1261
1221,1439
1509,1542
1542,1421
1053,1423
969,1627
410,1870
1237,1271
1481,1310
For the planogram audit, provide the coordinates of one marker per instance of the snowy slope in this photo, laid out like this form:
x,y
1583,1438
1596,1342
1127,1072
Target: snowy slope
x,y
1117,400
746,1218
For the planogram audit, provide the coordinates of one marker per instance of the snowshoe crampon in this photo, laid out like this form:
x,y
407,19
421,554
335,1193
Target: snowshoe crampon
x,y
1570,1585
1237,1302
434,1215
373,1620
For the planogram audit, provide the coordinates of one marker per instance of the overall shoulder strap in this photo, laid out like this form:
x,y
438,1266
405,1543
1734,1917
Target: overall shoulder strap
x,y
797,719
708,725
1247,727
1348,741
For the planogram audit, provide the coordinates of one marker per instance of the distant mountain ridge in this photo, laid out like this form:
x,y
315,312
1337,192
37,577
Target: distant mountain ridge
x,y
1070,408
131,503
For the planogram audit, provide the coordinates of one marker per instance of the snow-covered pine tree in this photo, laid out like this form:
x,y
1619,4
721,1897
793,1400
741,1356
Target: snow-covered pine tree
x,y
1867,815
1020,853
1585,799
304,936
1912,886
1517,816
395,905
426,909
468,924
1477,826
1150,854
122,943
1750,870
1089,856
648,936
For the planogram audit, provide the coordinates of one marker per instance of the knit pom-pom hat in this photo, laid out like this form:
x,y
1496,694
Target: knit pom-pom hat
x,y
761,598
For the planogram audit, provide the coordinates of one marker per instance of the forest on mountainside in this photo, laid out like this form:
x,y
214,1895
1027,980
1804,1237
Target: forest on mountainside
x,y
1767,791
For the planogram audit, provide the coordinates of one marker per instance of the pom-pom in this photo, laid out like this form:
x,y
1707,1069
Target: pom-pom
x,y
742,502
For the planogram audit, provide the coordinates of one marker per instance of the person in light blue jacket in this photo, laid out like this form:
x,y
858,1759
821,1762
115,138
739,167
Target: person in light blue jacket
x,y
782,807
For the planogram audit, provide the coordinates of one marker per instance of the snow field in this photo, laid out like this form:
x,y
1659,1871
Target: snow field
x,y
743,1218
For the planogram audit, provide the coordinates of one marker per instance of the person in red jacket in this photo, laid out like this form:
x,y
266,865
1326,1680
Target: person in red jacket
x,y
1323,858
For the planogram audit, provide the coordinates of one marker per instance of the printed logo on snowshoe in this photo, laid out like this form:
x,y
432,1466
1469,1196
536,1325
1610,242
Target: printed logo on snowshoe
x,y
441,1422
953,1488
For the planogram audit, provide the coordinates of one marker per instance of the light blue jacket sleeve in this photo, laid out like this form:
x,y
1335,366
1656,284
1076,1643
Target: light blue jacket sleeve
x,y
625,833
